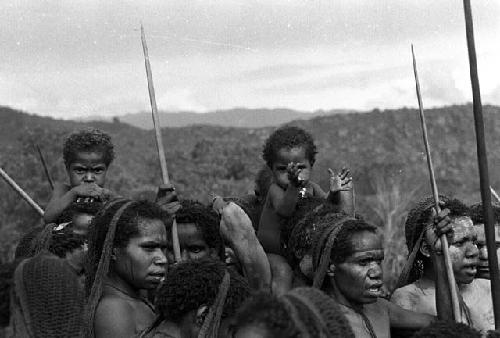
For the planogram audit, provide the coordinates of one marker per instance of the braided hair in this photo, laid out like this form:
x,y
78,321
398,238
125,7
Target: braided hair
x,y
112,227
300,313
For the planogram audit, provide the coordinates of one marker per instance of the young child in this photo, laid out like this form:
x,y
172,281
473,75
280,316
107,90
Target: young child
x,y
290,154
87,155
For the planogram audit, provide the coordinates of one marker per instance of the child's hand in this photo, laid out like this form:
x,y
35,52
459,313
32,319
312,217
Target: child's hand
x,y
297,176
440,224
341,181
166,199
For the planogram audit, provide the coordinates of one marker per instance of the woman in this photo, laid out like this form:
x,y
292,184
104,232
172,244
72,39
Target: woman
x,y
126,257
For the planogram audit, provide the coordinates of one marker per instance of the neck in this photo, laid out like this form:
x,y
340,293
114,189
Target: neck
x,y
117,283
335,293
429,273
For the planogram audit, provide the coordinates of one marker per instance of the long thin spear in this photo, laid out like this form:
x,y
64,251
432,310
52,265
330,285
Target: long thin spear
x,y
444,241
159,142
483,166
21,192
44,164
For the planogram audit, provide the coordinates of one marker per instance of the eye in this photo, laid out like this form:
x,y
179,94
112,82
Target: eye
x,y
79,171
98,170
196,249
281,167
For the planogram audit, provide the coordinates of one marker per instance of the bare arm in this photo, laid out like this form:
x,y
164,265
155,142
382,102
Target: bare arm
x,y
62,197
236,228
114,318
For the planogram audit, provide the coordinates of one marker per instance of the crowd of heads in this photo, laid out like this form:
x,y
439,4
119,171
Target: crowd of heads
x,y
125,247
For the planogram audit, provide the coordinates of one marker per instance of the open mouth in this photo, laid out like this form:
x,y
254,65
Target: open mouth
x,y
375,290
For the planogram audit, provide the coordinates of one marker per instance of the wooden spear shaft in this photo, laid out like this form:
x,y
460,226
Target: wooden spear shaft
x,y
44,164
21,192
482,159
159,142
444,241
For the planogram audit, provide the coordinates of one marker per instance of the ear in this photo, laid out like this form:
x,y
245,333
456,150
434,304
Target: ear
x,y
330,272
424,249
201,313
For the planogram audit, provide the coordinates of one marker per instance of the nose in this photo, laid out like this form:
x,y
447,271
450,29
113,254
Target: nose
x,y
472,251
89,177
375,271
160,258
483,252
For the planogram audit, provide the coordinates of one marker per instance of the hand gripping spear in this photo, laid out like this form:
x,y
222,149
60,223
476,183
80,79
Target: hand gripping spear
x,y
444,241
21,192
483,166
159,142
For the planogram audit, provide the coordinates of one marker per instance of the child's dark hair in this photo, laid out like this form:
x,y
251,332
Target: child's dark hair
x,y
88,140
441,329
206,220
476,213
302,312
288,137
65,241
417,219
83,207
192,284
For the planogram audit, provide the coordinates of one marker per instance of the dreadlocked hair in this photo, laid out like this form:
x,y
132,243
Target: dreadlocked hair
x,y
112,227
65,241
476,213
205,219
300,313
332,242
192,284
288,137
6,283
88,140
416,221
303,224
441,329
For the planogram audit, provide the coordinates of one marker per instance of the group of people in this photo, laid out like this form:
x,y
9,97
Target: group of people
x,y
291,260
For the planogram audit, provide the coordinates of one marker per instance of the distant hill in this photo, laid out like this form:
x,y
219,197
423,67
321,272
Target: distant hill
x,y
238,117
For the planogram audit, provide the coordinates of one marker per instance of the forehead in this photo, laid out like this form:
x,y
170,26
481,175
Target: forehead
x,y
151,228
294,154
462,228
481,237
88,157
365,241
189,231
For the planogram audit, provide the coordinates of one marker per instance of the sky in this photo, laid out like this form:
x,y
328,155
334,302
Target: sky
x,y
71,59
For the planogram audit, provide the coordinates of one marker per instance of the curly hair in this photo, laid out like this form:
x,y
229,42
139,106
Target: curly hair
x,y
418,217
442,328
65,241
288,137
195,283
205,219
266,309
476,213
88,140
302,312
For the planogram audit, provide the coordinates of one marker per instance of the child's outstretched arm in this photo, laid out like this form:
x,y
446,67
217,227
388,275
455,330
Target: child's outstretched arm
x,y
63,196
341,189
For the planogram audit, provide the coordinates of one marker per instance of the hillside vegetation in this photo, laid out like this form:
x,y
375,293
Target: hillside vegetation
x,y
383,148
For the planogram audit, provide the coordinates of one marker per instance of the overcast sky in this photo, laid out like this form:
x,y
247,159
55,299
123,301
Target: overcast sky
x,y
72,58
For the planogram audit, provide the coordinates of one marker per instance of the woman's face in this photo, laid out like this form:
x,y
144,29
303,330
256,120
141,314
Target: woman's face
x,y
142,263
359,277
